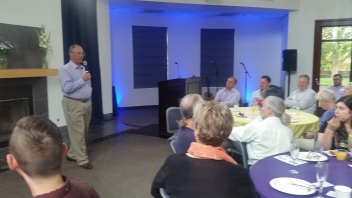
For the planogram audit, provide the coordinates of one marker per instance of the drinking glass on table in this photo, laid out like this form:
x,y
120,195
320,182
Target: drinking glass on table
x,y
253,108
298,108
294,154
350,145
318,151
322,174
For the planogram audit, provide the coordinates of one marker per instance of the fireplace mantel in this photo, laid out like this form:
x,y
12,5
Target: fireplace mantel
x,y
27,73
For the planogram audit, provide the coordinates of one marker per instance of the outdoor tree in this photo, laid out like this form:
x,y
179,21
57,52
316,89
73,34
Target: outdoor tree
x,y
336,49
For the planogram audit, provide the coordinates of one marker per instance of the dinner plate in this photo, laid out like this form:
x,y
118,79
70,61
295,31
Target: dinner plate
x,y
292,186
312,158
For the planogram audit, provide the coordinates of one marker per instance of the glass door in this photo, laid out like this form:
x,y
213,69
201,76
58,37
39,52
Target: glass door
x,y
336,45
332,53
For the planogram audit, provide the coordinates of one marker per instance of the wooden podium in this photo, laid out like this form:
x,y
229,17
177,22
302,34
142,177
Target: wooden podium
x,y
170,94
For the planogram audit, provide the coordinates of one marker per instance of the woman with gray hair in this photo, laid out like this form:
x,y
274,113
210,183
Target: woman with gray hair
x,y
205,171
348,89
185,134
268,136
326,100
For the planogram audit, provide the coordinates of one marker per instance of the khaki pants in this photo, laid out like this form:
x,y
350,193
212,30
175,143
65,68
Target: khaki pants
x,y
77,115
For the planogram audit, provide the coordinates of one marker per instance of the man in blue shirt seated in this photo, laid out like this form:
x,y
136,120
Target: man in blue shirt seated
x,y
229,95
337,88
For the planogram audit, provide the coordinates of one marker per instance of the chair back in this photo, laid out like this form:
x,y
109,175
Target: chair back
x,y
244,154
238,151
172,146
173,114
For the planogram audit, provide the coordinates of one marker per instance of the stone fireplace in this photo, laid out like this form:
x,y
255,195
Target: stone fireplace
x,y
20,97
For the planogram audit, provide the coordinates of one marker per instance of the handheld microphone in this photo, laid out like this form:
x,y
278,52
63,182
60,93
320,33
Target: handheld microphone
x,y
212,62
178,69
85,65
241,63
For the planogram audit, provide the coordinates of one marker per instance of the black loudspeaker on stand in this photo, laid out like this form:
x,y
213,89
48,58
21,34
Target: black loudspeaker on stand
x,y
289,64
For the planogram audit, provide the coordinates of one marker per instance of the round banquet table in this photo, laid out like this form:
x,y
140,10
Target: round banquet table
x,y
306,121
269,168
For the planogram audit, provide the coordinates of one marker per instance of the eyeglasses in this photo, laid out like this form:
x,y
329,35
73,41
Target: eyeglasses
x,y
79,53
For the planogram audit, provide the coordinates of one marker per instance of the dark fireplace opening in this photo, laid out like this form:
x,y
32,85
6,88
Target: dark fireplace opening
x,y
20,97
10,112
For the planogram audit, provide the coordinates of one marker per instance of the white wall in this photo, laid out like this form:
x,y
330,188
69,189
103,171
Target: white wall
x,y
103,22
35,13
38,12
257,44
301,30
278,4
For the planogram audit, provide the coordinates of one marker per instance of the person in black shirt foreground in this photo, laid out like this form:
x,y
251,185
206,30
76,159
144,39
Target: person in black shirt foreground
x,y
205,170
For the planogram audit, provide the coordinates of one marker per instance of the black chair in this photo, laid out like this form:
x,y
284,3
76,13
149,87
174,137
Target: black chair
x,y
238,151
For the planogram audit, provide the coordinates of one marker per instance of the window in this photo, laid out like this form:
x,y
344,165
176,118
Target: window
x,y
217,51
149,56
332,52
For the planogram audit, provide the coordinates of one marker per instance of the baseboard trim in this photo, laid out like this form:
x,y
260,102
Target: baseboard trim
x,y
108,116
138,107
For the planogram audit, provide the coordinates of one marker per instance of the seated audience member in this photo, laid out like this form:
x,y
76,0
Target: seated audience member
x,y
36,150
269,136
205,170
256,95
303,98
337,88
235,145
348,89
229,95
334,133
185,134
326,100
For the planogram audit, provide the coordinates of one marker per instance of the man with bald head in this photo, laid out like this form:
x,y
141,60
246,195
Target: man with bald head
x,y
229,95
304,98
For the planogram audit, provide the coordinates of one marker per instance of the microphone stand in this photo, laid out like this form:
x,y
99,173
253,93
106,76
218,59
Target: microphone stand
x,y
245,81
217,76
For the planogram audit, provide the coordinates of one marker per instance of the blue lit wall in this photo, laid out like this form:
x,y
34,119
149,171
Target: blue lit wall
x,y
257,44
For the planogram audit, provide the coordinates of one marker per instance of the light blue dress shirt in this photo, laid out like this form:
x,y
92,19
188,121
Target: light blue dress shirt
x,y
256,95
228,97
338,90
72,84
305,100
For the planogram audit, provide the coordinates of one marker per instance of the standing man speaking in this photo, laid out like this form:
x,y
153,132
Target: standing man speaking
x,y
77,91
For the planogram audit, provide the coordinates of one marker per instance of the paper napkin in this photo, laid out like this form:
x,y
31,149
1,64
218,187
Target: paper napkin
x,y
288,159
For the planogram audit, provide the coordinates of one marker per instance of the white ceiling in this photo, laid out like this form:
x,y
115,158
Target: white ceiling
x,y
193,10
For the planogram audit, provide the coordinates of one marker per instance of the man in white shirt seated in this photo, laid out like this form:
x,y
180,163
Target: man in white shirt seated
x,y
256,95
337,88
229,95
269,136
304,98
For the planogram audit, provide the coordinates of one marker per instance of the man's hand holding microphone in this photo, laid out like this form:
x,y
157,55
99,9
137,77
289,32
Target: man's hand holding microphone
x,y
86,76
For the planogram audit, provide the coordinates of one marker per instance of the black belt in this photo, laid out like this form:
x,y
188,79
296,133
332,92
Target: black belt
x,y
80,100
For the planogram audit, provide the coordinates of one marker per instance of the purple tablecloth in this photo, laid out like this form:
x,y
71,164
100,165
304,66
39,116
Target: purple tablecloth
x,y
269,168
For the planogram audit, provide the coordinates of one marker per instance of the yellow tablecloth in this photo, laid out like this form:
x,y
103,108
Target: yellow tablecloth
x,y
305,121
